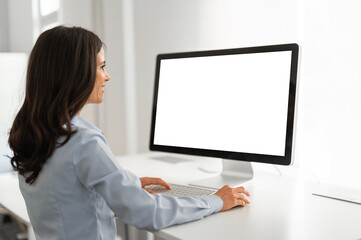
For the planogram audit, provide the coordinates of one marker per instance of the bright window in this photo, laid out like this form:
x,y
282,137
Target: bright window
x,y
45,15
48,7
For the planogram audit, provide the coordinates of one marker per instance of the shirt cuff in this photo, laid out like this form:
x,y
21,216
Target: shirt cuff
x,y
138,182
215,202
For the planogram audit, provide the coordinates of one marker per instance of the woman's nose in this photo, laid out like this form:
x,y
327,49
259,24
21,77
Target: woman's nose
x,y
107,76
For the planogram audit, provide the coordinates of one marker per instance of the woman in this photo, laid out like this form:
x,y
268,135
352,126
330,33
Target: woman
x,y
70,180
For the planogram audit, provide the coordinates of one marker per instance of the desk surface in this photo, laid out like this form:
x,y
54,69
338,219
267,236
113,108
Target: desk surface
x,y
281,207
11,198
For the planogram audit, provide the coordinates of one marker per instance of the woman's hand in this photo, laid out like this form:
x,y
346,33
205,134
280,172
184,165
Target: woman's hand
x,y
153,181
233,197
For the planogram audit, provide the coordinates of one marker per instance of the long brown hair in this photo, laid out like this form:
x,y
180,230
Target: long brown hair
x,y
60,78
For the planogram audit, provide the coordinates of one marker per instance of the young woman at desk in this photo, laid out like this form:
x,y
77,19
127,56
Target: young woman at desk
x,y
71,182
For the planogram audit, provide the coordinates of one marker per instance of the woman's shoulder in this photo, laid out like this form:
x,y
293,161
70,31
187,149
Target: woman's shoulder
x,y
84,135
86,131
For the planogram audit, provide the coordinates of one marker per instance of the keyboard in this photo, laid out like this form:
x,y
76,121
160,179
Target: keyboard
x,y
180,190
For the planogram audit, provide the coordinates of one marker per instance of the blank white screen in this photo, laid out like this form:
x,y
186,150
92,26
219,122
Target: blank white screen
x,y
232,103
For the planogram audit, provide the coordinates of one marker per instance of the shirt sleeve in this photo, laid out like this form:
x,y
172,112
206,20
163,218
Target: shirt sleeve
x,y
97,169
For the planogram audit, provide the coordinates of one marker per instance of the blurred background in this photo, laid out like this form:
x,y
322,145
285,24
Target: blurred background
x,y
328,122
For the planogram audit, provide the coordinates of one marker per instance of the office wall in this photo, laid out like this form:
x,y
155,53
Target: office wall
x,y
4,24
117,116
15,26
330,92
20,28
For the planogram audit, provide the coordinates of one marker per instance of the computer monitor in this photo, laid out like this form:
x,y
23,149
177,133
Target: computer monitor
x,y
235,104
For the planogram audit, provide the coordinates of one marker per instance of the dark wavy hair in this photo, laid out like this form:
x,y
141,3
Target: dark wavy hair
x,y
60,78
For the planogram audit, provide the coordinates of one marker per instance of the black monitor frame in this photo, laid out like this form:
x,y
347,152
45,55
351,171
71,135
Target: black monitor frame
x,y
251,157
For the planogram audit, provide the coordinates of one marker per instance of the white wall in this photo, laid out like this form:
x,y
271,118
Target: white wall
x,y
15,26
4,25
232,23
20,30
114,116
331,88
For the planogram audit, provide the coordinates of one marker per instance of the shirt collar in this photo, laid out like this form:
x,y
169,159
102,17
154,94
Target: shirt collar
x,y
80,122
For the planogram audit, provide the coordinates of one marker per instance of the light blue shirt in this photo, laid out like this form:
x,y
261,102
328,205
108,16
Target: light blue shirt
x,y
81,189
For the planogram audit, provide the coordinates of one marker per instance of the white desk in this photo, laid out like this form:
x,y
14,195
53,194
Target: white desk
x,y
281,208
12,200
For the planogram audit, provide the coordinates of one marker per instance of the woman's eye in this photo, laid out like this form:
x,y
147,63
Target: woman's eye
x,y
102,67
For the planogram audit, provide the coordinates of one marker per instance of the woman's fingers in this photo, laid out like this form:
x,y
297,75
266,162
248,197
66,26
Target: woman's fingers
x,y
159,181
243,198
242,190
154,181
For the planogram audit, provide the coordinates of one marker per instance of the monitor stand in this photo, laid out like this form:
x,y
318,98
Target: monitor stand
x,y
234,173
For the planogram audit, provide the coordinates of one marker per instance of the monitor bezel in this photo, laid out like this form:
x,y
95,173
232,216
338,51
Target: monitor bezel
x,y
287,159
